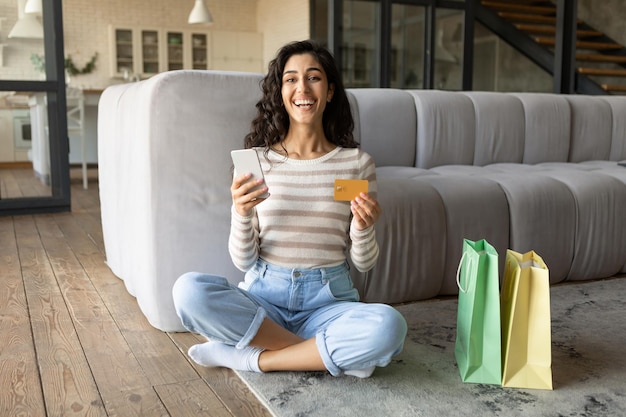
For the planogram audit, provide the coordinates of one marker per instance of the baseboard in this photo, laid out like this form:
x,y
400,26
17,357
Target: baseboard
x,y
89,165
16,165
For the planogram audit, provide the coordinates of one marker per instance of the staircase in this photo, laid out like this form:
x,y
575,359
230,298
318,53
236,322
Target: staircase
x,y
530,27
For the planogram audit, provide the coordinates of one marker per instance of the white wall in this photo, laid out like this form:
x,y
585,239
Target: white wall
x,y
282,22
607,16
86,29
16,52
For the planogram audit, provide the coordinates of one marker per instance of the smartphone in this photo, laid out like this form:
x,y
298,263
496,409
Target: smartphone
x,y
348,190
247,160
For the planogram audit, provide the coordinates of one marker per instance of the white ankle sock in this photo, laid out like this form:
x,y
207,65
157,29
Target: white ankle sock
x,y
220,354
361,373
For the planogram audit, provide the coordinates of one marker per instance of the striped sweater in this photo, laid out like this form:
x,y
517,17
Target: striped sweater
x,y
300,225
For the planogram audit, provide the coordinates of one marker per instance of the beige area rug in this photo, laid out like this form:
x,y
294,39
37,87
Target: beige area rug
x,y
588,365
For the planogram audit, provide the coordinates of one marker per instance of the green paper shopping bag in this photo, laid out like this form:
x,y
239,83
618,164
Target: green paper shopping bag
x,y
526,327
478,346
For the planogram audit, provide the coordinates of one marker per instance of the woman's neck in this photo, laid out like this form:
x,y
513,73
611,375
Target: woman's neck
x,y
305,144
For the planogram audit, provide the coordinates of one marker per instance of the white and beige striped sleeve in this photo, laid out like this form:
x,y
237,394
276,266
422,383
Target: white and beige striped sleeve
x,y
364,249
243,241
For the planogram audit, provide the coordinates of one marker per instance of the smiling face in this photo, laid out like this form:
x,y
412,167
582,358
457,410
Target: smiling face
x,y
305,90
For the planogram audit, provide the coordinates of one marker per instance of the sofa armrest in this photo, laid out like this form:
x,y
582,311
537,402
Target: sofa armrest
x,y
165,172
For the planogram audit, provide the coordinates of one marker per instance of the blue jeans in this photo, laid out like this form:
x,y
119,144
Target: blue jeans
x,y
320,303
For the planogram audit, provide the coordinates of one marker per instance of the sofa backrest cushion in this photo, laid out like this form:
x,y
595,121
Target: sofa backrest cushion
x,y
499,128
385,125
592,125
618,134
547,129
445,128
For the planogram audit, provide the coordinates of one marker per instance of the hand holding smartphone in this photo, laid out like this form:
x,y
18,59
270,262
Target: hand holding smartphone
x,y
247,161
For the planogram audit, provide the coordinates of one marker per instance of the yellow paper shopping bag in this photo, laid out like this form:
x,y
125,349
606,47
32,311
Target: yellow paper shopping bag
x,y
526,331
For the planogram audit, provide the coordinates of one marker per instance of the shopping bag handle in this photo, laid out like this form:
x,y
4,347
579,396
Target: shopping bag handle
x,y
458,273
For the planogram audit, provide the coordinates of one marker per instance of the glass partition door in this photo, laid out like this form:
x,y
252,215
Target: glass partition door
x,y
34,171
394,43
406,64
361,43
448,49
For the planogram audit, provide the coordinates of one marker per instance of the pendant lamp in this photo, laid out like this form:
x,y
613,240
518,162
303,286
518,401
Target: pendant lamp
x,y
33,7
200,14
27,26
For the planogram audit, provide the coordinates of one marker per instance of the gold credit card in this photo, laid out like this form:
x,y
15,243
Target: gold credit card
x,y
348,190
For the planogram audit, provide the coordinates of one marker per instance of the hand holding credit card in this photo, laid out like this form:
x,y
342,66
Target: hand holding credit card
x,y
348,190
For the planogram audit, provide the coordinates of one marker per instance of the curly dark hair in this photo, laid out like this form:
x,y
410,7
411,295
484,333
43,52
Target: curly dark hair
x,y
272,121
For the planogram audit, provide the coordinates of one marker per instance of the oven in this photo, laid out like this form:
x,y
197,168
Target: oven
x,y
22,129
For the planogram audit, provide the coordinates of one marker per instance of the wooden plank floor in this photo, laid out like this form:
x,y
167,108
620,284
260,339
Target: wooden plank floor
x,y
19,180
73,342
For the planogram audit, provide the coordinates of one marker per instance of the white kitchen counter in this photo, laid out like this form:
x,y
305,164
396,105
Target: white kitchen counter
x,y
40,149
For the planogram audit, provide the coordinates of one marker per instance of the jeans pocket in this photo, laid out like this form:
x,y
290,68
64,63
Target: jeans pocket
x,y
250,279
341,288
273,288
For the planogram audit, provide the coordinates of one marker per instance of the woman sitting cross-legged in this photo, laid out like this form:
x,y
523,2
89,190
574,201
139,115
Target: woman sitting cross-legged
x,y
297,309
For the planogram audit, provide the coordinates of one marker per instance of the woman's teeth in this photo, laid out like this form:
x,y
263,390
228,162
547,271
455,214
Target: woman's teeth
x,y
301,103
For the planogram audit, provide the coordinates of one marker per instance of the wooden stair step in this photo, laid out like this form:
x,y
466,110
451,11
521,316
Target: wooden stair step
x,y
551,30
521,17
588,33
581,44
619,59
532,18
613,87
603,71
524,1
519,7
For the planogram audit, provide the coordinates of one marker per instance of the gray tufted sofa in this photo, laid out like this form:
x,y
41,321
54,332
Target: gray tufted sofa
x,y
524,171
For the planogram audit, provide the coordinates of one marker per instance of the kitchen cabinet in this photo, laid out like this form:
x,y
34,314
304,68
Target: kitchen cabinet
x,y
237,51
150,51
144,52
176,46
135,52
123,51
199,51
187,50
